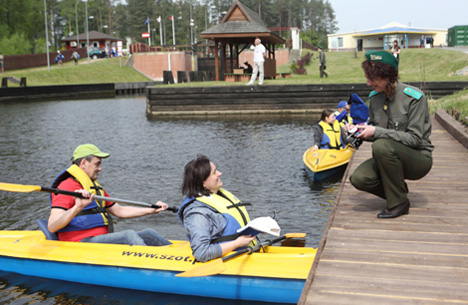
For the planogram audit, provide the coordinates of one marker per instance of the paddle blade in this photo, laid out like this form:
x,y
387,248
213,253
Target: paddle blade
x,y
19,188
211,268
295,235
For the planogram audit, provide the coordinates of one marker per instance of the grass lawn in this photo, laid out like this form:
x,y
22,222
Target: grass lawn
x,y
98,71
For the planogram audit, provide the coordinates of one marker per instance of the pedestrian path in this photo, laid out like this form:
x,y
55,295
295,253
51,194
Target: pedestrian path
x,y
419,258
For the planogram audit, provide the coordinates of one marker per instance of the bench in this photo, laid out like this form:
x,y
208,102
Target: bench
x,y
236,77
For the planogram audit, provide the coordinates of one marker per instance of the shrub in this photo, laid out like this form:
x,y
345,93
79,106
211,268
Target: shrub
x,y
298,66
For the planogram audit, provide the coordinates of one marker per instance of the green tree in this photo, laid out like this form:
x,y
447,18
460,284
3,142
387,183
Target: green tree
x,y
16,44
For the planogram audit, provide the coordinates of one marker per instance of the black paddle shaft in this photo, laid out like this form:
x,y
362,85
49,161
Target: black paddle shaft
x,y
79,195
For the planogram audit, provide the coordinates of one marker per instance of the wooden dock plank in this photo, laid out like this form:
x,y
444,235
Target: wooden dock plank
x,y
419,258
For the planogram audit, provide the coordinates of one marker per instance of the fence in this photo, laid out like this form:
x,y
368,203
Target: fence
x,y
15,62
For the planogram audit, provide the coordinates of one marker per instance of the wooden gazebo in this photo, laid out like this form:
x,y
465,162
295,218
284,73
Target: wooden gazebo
x,y
238,30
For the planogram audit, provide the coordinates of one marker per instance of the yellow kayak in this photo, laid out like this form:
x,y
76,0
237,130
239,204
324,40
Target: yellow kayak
x,y
323,163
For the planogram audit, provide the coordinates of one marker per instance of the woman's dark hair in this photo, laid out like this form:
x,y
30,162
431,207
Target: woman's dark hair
x,y
195,173
374,69
325,113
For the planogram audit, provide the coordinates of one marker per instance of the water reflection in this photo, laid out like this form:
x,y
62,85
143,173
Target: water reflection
x,y
260,157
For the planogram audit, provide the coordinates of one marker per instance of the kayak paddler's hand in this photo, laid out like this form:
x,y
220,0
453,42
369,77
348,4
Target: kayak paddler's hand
x,y
82,203
244,240
163,207
314,148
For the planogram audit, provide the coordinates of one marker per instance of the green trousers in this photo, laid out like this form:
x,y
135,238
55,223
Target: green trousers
x,y
385,173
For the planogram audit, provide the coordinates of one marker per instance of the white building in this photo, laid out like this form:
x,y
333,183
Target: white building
x,y
382,38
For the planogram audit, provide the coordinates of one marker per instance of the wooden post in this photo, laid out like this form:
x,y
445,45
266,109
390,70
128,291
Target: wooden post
x,y
231,48
224,58
216,60
237,56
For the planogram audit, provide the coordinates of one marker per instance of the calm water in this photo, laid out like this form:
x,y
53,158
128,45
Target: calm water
x,y
260,158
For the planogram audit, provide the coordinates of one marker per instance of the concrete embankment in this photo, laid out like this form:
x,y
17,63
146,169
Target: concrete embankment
x,y
82,91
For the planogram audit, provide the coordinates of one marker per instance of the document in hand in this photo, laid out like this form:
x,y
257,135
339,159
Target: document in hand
x,y
261,225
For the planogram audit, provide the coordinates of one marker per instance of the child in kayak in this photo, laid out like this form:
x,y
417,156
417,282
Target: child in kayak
x,y
328,133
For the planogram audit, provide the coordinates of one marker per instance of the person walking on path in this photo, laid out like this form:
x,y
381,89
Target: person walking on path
x,y
75,56
59,58
259,60
322,63
399,127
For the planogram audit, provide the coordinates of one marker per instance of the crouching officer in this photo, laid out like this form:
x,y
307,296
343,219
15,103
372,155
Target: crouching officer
x,y
399,127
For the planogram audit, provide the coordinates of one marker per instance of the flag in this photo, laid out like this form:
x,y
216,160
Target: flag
x,y
172,17
159,19
147,20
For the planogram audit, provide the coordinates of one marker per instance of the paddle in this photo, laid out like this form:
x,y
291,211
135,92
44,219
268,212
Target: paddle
x,y
217,266
21,188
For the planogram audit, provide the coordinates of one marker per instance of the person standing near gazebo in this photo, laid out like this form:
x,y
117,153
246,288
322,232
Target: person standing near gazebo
x,y
259,60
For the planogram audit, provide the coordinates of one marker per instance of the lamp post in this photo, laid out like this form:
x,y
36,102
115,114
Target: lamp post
x,y
191,24
87,31
76,17
47,36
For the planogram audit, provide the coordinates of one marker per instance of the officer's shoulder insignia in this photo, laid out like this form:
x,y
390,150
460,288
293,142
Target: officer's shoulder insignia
x,y
413,93
373,93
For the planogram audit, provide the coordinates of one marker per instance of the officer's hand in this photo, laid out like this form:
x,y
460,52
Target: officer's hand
x,y
366,131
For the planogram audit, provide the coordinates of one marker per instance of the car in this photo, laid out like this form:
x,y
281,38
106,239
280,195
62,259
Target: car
x,y
96,53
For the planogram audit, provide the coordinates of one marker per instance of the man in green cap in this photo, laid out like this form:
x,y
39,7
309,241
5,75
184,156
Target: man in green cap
x,y
399,126
89,220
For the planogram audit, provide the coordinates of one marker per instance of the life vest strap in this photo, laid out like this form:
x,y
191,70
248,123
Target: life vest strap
x,y
225,238
102,209
235,205
90,211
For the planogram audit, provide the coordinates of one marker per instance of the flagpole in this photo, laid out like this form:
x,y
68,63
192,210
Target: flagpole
x,y
149,38
160,30
173,31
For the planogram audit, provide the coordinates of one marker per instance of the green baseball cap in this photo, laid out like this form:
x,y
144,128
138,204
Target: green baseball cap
x,y
382,56
88,150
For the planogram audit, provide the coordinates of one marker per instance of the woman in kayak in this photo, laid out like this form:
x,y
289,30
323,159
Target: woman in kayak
x,y
211,214
328,133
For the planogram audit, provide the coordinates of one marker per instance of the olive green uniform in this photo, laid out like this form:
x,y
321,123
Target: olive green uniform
x,y
401,149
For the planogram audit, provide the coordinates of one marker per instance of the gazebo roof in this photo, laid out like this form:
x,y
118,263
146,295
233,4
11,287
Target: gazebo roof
x,y
242,25
93,35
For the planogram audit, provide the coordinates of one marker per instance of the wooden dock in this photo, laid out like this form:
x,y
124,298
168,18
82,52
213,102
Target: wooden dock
x,y
419,258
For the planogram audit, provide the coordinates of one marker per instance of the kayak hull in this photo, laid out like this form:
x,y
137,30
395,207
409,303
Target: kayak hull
x,y
158,276
324,163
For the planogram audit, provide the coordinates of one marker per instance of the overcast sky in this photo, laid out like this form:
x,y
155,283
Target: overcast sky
x,y
358,15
